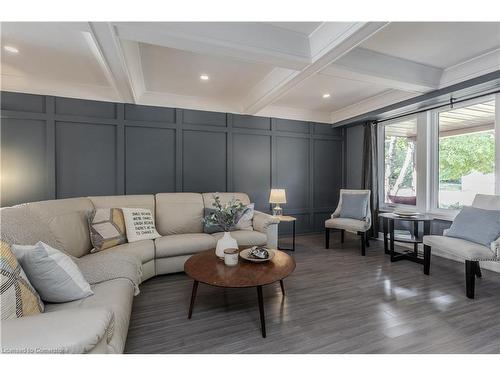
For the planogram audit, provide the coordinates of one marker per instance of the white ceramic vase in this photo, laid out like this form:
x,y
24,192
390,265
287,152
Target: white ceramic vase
x,y
226,242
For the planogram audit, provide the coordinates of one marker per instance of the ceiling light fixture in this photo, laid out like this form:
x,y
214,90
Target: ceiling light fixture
x,y
326,96
11,49
204,77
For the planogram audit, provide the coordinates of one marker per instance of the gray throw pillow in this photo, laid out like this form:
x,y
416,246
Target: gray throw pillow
x,y
354,206
476,225
52,273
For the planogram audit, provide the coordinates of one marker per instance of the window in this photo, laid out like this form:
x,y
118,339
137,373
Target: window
x,y
400,162
466,153
438,160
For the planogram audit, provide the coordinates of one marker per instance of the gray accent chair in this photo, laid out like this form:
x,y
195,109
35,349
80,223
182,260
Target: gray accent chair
x,y
471,252
359,227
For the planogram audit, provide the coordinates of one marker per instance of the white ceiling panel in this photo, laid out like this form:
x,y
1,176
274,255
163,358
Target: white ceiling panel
x,y
174,71
59,52
343,92
439,44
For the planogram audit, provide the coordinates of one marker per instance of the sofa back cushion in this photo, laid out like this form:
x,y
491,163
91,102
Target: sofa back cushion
x,y
130,201
208,198
67,220
178,213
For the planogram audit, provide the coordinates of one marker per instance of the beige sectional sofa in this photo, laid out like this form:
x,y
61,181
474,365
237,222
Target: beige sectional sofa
x,y
99,323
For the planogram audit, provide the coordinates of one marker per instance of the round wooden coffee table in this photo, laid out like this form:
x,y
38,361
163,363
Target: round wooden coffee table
x,y
207,268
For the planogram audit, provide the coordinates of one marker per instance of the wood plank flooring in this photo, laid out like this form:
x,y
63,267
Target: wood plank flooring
x,y
337,302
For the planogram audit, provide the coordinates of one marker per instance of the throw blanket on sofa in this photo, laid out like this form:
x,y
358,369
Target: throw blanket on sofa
x,y
104,266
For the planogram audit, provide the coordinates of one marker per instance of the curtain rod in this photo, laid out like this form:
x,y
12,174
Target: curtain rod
x,y
450,103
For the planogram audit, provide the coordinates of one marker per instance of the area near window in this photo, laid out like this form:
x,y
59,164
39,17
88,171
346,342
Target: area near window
x,y
437,161
400,164
466,154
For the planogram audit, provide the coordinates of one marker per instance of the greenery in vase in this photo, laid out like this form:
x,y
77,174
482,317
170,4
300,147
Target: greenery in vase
x,y
225,216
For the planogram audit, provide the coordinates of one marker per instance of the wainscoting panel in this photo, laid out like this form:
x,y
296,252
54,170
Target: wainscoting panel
x,y
24,164
62,147
251,170
292,164
149,160
85,159
204,161
327,159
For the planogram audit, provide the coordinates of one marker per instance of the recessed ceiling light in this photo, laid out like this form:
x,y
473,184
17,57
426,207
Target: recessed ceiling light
x,y
326,96
11,49
204,77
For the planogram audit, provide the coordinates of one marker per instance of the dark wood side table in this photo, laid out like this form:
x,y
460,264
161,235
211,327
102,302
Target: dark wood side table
x,y
388,221
207,268
288,219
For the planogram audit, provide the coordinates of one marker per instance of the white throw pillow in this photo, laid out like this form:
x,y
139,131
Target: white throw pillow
x,y
139,224
245,222
52,273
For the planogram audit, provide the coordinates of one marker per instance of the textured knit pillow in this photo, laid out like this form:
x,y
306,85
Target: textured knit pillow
x,y
54,274
18,296
245,219
107,228
139,224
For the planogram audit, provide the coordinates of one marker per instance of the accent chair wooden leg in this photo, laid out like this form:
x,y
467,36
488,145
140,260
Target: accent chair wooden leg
x,y
470,278
427,259
367,239
363,242
342,233
478,270
327,238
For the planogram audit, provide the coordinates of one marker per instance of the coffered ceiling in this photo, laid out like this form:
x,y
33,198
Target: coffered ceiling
x,y
314,71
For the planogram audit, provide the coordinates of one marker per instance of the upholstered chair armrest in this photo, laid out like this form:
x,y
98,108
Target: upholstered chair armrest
x,y
446,231
73,331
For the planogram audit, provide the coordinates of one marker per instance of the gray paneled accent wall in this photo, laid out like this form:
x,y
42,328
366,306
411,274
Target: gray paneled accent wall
x,y
56,147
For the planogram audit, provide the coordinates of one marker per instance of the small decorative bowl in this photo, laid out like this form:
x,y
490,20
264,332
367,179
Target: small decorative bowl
x,y
245,254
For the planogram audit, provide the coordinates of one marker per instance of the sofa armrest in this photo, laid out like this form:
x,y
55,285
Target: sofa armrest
x,y
262,220
268,225
73,331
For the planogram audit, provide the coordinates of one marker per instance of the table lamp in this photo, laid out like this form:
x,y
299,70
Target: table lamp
x,y
276,197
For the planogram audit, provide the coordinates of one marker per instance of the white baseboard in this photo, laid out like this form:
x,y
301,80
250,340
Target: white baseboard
x,y
492,266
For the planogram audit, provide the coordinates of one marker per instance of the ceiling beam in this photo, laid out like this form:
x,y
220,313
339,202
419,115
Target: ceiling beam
x,y
113,60
248,41
328,43
373,67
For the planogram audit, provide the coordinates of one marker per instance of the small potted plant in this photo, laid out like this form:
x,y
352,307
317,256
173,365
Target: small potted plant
x,y
224,217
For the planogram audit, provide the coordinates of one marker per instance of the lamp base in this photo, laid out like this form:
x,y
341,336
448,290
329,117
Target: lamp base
x,y
277,210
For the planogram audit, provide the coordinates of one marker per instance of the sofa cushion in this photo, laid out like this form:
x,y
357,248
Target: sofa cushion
x,y
351,225
17,295
460,248
182,244
133,201
107,228
67,220
54,274
115,295
245,237
179,213
144,249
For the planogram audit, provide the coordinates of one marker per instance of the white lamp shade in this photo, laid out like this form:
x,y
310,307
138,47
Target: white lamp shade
x,y
277,196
